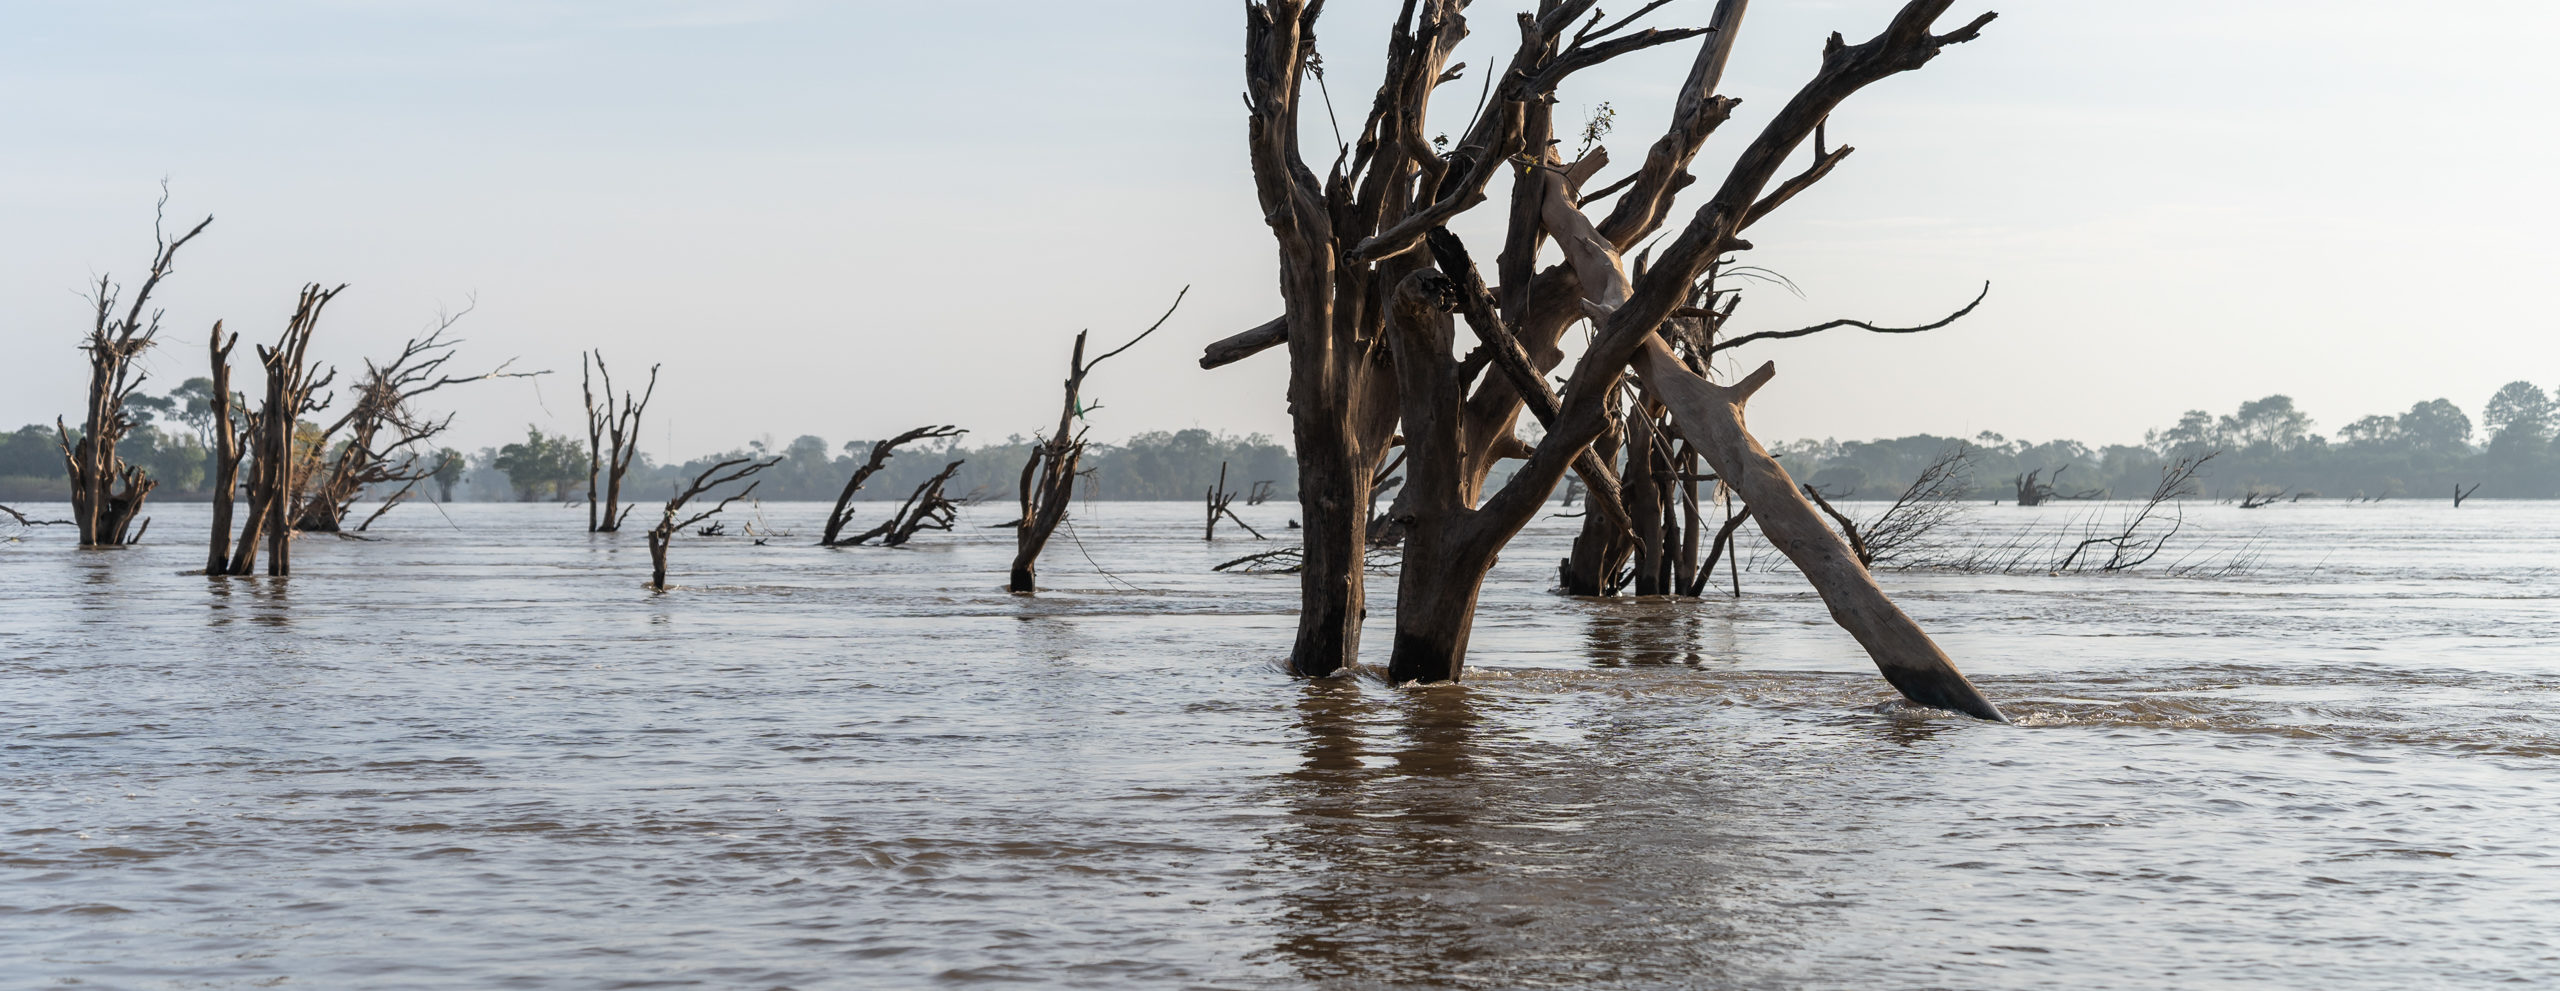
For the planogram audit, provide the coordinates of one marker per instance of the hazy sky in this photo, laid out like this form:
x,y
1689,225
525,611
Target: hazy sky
x,y
850,218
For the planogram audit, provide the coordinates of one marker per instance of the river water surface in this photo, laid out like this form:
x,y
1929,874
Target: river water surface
x,y
477,753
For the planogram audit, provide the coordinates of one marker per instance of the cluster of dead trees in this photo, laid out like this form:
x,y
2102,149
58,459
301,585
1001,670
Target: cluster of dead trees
x,y
1402,351
292,474
1374,286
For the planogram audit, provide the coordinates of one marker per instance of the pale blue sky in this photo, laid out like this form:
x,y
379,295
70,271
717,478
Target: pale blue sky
x,y
850,218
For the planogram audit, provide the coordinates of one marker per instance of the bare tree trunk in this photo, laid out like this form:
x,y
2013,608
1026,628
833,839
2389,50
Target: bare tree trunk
x,y
383,433
1049,476
613,442
281,467
1711,417
226,454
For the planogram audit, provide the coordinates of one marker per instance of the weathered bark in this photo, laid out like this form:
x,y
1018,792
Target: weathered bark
x,y
1710,416
1629,316
842,514
613,442
1444,562
226,453
1386,192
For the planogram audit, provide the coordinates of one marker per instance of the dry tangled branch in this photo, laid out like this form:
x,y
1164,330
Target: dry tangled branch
x,y
379,440
842,514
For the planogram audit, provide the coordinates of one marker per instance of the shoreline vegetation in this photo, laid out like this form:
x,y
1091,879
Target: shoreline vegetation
x,y
2268,450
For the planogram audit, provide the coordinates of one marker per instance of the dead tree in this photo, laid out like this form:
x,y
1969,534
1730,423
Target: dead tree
x,y
1219,501
2031,492
1049,475
613,440
1261,492
925,509
1658,481
281,462
2036,493
723,473
107,493
842,514
2140,536
230,443
1397,187
1933,500
2254,498
1347,240
379,440
2460,493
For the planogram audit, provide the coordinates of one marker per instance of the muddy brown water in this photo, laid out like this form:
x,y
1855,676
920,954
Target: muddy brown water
x,y
476,753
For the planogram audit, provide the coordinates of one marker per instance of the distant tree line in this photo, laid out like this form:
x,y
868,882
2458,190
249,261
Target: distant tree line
x,y
2267,446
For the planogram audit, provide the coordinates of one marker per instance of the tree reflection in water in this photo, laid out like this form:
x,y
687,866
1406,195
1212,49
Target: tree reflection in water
x,y
1492,834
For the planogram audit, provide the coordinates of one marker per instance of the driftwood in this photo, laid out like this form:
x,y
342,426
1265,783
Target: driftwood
x,y
669,524
1049,475
106,493
842,514
613,439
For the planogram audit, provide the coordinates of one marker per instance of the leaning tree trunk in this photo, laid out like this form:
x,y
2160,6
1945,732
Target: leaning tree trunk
x,y
1710,416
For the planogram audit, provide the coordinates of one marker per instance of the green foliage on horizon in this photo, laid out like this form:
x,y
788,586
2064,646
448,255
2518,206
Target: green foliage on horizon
x,y
2267,444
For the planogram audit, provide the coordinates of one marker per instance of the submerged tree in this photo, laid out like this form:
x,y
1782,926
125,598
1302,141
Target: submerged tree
x,y
230,442
925,509
1049,475
720,473
1370,332
107,493
281,459
381,439
842,514
613,440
